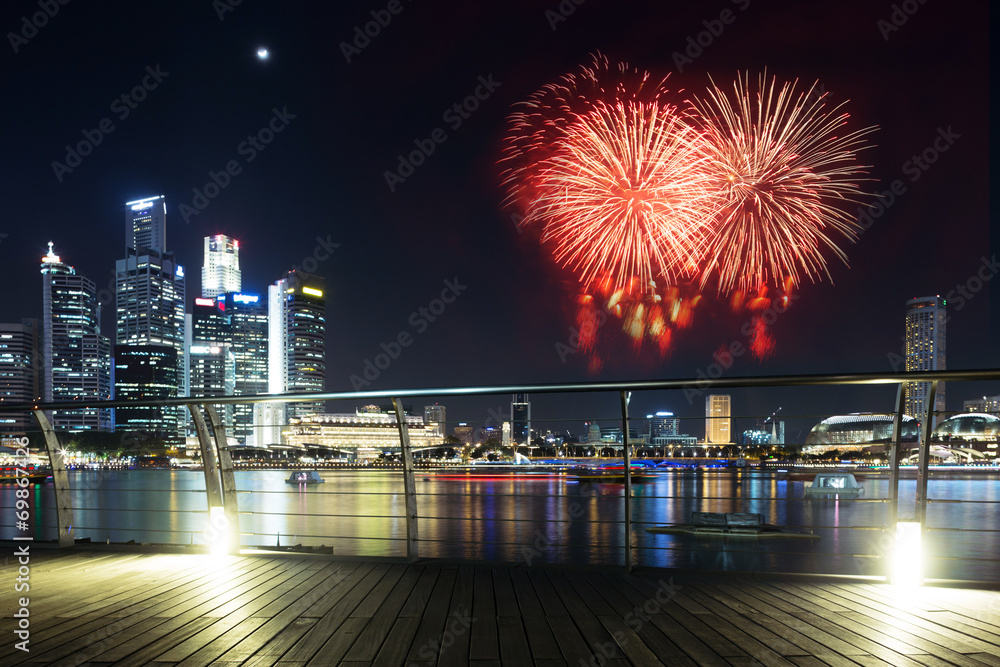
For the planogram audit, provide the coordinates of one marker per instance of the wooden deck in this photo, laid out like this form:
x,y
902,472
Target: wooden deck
x,y
163,609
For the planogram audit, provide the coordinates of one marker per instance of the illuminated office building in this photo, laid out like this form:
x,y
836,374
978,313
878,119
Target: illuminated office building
x,y
296,350
363,435
717,420
663,424
146,225
220,273
143,373
20,357
520,419
76,358
248,325
149,299
434,418
925,351
211,364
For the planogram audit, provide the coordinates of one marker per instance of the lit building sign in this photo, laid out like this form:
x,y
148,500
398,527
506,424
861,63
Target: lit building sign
x,y
245,298
179,272
313,292
203,302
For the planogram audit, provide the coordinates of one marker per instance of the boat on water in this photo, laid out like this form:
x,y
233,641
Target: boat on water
x,y
304,477
834,485
34,475
731,524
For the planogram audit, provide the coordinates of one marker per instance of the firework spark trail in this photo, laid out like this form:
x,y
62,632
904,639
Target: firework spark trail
x,y
645,202
625,195
783,175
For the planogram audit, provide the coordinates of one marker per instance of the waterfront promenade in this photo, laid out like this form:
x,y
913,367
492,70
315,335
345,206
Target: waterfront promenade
x,y
141,608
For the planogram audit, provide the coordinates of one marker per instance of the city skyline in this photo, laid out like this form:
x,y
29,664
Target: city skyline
x,y
296,172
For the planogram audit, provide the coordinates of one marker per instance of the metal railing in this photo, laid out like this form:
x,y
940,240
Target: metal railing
x,y
416,529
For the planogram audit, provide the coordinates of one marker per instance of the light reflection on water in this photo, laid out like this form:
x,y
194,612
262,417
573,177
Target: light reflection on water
x,y
538,520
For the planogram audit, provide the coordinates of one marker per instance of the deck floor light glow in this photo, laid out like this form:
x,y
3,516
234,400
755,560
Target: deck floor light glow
x,y
218,531
907,556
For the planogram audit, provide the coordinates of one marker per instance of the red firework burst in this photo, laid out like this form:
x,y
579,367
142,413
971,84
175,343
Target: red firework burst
x,y
619,189
783,174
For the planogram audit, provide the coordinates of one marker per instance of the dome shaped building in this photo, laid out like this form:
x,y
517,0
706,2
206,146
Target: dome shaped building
x,y
971,427
859,429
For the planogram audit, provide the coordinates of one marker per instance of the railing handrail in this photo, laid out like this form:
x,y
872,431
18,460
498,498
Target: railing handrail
x,y
703,383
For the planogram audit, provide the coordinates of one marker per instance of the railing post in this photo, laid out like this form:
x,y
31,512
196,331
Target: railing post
x,y
894,456
60,482
409,485
627,459
229,498
213,481
925,455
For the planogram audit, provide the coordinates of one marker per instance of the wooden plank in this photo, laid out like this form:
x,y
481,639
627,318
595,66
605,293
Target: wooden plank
x,y
339,642
817,641
426,641
454,643
746,620
599,641
551,603
421,594
397,643
484,642
503,592
513,641
629,642
375,633
90,627
338,608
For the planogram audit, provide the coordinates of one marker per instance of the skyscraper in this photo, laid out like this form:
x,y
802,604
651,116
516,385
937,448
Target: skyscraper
x,y
146,224
296,343
220,273
663,424
20,361
142,373
717,420
248,318
520,418
211,364
149,296
434,418
925,350
76,358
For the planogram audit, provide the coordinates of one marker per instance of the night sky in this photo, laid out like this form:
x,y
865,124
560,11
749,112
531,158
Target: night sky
x,y
321,180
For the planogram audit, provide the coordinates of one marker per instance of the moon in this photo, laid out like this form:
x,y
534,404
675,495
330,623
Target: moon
x,y
263,53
